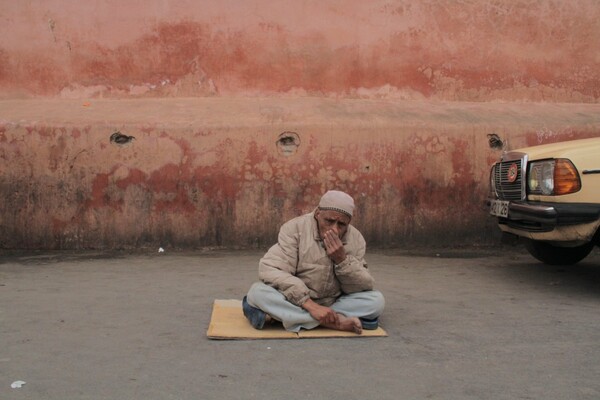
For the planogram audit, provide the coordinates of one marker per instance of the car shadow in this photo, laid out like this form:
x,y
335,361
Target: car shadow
x,y
579,279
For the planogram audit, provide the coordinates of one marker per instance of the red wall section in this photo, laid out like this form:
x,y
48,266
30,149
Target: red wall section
x,y
216,172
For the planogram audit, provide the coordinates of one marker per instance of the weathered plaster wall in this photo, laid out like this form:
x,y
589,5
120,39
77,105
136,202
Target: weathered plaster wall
x,y
221,175
440,49
391,101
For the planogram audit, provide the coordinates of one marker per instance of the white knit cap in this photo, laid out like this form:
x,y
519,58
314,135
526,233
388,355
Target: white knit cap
x,y
337,201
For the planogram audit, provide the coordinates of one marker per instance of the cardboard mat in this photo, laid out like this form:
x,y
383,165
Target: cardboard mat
x,y
228,323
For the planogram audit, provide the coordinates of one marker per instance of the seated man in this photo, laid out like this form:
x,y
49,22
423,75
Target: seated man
x,y
316,274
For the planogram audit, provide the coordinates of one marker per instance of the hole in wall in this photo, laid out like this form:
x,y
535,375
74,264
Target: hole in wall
x,y
288,143
120,139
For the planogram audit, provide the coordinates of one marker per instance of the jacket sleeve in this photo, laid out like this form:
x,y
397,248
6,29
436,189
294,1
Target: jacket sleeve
x,y
352,273
278,267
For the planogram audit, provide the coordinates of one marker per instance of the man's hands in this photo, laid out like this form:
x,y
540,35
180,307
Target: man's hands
x,y
334,247
325,315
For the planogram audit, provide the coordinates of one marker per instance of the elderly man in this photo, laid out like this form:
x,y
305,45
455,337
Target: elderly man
x,y
316,274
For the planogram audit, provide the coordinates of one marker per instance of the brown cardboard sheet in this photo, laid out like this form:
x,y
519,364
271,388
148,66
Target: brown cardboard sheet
x,y
228,323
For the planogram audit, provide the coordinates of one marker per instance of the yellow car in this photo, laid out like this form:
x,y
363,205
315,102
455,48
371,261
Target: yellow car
x,y
550,196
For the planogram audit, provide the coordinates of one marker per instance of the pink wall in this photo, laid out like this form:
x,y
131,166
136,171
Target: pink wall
x,y
443,49
391,101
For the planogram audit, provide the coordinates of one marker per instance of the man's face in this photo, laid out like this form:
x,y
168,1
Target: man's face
x,y
329,220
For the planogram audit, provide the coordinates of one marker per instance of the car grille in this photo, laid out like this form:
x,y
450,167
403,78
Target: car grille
x,y
506,190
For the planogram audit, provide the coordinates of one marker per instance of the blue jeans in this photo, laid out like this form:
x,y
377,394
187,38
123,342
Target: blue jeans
x,y
368,304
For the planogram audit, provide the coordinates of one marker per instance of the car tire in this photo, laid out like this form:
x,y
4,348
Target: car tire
x,y
554,255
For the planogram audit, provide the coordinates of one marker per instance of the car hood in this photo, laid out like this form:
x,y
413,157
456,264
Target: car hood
x,y
570,149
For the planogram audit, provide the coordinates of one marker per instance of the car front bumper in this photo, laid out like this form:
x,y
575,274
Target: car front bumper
x,y
554,222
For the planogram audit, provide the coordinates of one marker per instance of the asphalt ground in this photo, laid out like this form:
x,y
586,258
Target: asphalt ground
x,y
462,324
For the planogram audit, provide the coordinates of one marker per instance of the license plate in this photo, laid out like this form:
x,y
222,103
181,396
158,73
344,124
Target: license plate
x,y
499,208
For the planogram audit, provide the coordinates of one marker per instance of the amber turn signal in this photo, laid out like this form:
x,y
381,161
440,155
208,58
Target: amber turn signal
x,y
566,177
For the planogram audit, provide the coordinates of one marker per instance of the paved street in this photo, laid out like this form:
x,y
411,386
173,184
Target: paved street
x,y
462,324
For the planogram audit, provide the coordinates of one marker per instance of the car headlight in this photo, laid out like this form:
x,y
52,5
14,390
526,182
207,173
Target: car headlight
x,y
553,177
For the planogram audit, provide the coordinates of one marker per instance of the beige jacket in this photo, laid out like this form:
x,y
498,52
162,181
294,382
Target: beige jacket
x,y
298,265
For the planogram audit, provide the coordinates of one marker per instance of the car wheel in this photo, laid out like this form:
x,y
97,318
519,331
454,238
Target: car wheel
x,y
554,255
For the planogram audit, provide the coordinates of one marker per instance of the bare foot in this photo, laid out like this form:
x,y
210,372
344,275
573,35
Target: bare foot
x,y
351,324
348,324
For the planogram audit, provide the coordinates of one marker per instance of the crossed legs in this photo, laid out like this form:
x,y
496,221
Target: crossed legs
x,y
367,305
